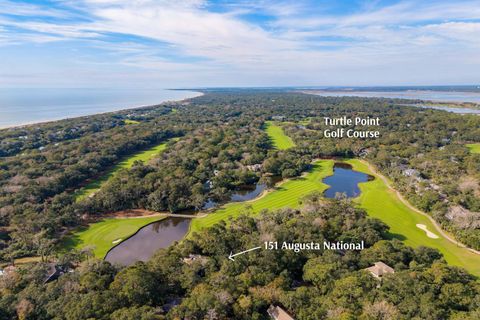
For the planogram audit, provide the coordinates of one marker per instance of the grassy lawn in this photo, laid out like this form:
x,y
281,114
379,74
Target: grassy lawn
x,y
280,140
474,147
126,163
287,194
382,203
100,235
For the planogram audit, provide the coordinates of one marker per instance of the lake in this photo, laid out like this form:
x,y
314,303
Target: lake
x,y
344,180
142,245
24,106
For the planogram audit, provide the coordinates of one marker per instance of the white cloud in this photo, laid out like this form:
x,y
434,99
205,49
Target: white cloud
x,y
403,39
28,9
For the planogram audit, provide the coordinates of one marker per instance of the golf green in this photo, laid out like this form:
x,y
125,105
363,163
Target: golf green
x,y
105,234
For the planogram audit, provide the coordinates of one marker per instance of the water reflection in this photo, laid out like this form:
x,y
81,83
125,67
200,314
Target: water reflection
x,y
243,193
142,245
248,192
344,181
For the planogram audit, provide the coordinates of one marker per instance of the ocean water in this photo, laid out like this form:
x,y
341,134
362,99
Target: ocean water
x,y
24,106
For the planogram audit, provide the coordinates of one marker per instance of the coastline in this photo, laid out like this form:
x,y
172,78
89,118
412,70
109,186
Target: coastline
x,y
472,98
195,94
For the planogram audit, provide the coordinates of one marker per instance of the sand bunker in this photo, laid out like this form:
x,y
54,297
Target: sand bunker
x,y
429,234
116,241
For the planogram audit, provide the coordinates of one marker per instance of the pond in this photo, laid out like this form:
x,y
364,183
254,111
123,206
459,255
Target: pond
x,y
248,192
243,193
143,244
344,180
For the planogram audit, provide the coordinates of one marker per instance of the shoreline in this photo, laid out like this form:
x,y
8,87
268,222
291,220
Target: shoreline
x,y
45,121
402,95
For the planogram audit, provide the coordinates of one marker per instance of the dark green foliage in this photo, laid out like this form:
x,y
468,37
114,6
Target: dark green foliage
x,y
310,284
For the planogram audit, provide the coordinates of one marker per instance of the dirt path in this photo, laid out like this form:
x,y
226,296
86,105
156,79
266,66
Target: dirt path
x,y
411,207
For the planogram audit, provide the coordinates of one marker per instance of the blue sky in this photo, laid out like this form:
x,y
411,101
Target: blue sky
x,y
190,43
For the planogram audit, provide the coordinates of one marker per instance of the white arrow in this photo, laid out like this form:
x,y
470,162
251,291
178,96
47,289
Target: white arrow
x,y
237,254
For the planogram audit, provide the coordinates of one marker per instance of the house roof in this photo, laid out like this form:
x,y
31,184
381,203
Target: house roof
x,y
380,268
278,313
53,272
195,257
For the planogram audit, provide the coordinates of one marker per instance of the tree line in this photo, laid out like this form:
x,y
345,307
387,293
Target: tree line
x,y
312,285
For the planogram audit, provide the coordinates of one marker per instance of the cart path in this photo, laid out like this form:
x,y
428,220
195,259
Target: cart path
x,y
411,207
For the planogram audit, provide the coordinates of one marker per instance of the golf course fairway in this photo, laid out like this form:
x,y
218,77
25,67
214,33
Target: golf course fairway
x,y
382,202
474,147
286,194
376,198
279,139
129,121
126,163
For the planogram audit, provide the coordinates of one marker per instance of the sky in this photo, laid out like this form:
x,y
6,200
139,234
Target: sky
x,y
197,43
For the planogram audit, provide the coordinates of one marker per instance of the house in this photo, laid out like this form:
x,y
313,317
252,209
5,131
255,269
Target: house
x,y
7,270
364,152
255,167
194,257
379,269
277,313
208,184
278,118
411,173
53,273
